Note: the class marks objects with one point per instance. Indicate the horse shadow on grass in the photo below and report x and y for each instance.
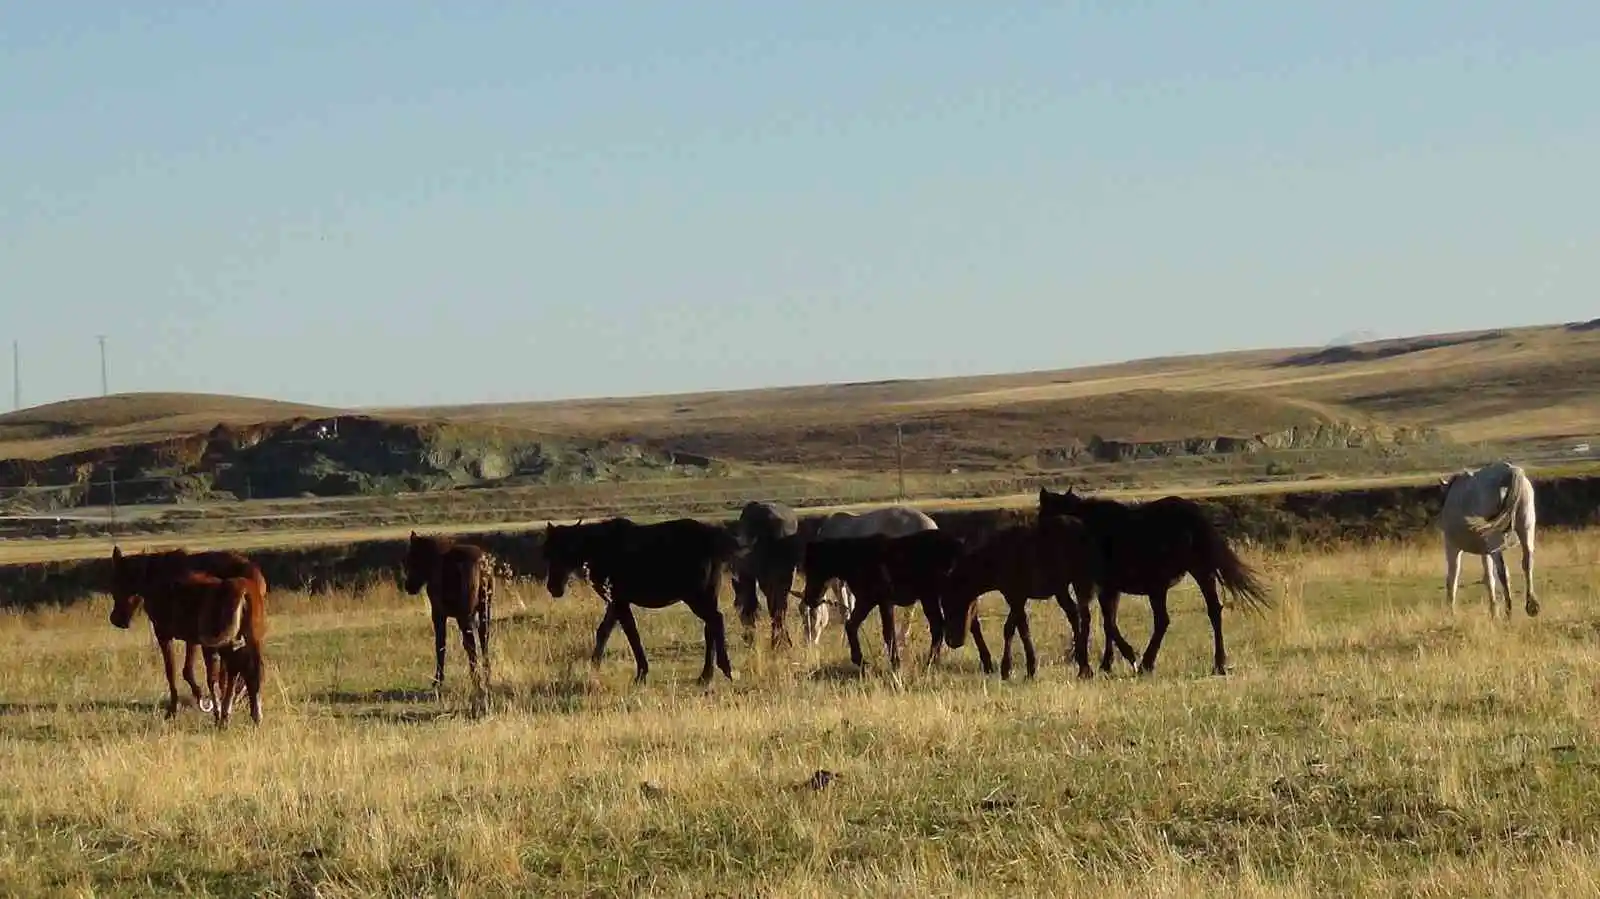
(402, 705)
(18, 709)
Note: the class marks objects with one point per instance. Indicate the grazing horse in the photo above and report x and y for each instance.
(459, 578)
(770, 549)
(649, 565)
(144, 581)
(884, 572)
(1024, 562)
(1481, 508)
(889, 521)
(1146, 549)
(228, 617)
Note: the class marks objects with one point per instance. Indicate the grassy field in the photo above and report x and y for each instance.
(1367, 743)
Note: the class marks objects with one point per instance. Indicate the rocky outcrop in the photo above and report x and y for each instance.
(348, 455)
(1330, 435)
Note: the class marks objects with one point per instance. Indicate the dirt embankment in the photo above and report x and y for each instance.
(1272, 521)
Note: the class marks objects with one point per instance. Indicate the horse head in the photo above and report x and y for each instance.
(126, 588)
(561, 556)
(422, 557)
(1065, 502)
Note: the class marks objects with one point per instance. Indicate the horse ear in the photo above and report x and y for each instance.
(116, 553)
(413, 535)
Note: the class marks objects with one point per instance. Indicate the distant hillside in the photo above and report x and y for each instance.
(1507, 386)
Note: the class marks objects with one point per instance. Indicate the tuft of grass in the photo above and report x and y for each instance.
(1366, 743)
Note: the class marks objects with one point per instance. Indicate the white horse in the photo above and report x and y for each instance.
(890, 521)
(1481, 508)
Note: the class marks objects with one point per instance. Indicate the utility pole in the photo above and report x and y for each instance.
(900, 460)
(104, 381)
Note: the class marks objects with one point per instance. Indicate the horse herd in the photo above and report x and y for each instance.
(1077, 550)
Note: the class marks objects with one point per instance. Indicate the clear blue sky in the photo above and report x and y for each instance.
(397, 203)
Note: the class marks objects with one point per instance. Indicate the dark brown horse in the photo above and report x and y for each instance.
(145, 581)
(459, 578)
(648, 565)
(1056, 558)
(884, 572)
(229, 618)
(1147, 549)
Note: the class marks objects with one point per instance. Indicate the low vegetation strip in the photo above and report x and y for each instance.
(1268, 519)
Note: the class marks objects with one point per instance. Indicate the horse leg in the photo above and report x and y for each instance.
(1010, 631)
(470, 647)
(1525, 537)
(1110, 600)
(483, 619)
(1026, 632)
(1078, 616)
(212, 685)
(985, 660)
(169, 663)
(1504, 579)
(890, 646)
(630, 629)
(717, 635)
(852, 634)
(1452, 572)
(439, 623)
(1208, 589)
(930, 611)
(252, 680)
(603, 632)
(1489, 584)
(1158, 610)
(230, 686)
(191, 651)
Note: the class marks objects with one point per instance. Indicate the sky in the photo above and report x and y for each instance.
(398, 203)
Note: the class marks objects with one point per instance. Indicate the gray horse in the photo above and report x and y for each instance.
(1481, 508)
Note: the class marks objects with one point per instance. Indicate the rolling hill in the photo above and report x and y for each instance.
(1507, 388)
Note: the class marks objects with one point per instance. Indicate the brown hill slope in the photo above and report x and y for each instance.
(1512, 385)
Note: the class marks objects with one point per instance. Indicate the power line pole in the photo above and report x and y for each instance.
(900, 460)
(105, 382)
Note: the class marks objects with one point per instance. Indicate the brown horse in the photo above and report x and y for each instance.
(1024, 562)
(145, 581)
(1148, 548)
(460, 582)
(228, 618)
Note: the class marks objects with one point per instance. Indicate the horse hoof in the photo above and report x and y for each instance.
(1532, 608)
(1085, 674)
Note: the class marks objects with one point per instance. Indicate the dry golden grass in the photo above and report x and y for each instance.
(1366, 744)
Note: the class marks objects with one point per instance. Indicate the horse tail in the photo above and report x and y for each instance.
(1519, 495)
(1237, 577)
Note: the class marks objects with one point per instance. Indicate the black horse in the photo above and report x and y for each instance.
(1057, 558)
(884, 572)
(1149, 547)
(770, 551)
(646, 565)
